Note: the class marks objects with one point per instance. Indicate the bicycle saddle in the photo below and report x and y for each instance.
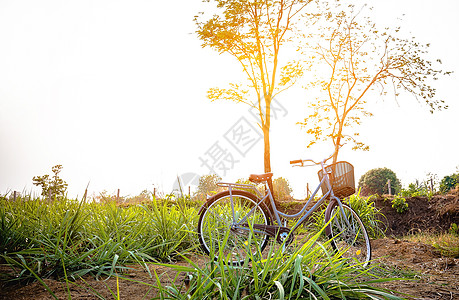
(260, 178)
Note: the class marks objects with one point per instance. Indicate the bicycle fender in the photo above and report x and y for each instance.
(330, 206)
(235, 192)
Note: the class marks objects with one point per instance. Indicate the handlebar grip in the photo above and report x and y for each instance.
(298, 161)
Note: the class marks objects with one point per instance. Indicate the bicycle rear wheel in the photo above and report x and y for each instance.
(222, 235)
(350, 238)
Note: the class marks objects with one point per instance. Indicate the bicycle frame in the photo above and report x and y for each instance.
(277, 214)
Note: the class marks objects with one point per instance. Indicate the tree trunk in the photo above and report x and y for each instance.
(266, 126)
(335, 154)
(267, 163)
(337, 143)
(267, 150)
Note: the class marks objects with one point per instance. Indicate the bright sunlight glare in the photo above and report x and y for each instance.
(115, 91)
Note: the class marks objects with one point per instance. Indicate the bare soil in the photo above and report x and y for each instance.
(423, 215)
(431, 275)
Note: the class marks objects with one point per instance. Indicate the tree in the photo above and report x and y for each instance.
(358, 58)
(255, 186)
(208, 184)
(375, 181)
(53, 187)
(282, 189)
(253, 32)
(449, 182)
(144, 196)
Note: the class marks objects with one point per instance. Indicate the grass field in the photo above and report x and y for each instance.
(69, 240)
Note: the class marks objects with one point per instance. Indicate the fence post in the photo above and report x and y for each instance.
(118, 196)
(388, 185)
(14, 196)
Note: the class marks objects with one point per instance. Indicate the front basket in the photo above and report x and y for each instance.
(341, 179)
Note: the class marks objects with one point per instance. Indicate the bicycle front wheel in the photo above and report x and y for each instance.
(347, 233)
(225, 227)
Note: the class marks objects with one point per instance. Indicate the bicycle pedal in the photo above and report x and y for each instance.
(286, 236)
(280, 233)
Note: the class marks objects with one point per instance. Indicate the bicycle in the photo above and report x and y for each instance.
(238, 220)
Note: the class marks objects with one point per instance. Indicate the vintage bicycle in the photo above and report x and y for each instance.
(241, 219)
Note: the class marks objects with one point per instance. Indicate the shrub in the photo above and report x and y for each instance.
(454, 229)
(449, 182)
(144, 196)
(53, 187)
(375, 182)
(399, 204)
(417, 190)
(260, 188)
(208, 185)
(282, 189)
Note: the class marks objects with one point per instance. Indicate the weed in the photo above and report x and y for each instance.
(446, 243)
(399, 204)
(454, 229)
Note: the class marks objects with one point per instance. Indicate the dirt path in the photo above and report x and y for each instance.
(433, 276)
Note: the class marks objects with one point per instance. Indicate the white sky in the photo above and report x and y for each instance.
(115, 91)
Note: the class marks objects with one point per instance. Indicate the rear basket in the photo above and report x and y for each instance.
(341, 179)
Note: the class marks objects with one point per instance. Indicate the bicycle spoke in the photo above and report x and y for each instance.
(349, 236)
(228, 236)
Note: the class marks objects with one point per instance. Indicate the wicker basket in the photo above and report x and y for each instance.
(341, 179)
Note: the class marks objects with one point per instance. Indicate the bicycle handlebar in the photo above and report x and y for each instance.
(302, 161)
(298, 161)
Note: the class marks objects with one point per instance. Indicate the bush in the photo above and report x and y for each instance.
(375, 181)
(417, 190)
(448, 183)
(208, 185)
(399, 204)
(454, 229)
(282, 189)
(53, 187)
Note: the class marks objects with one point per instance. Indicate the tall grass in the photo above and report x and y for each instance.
(70, 238)
(365, 208)
(308, 272)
